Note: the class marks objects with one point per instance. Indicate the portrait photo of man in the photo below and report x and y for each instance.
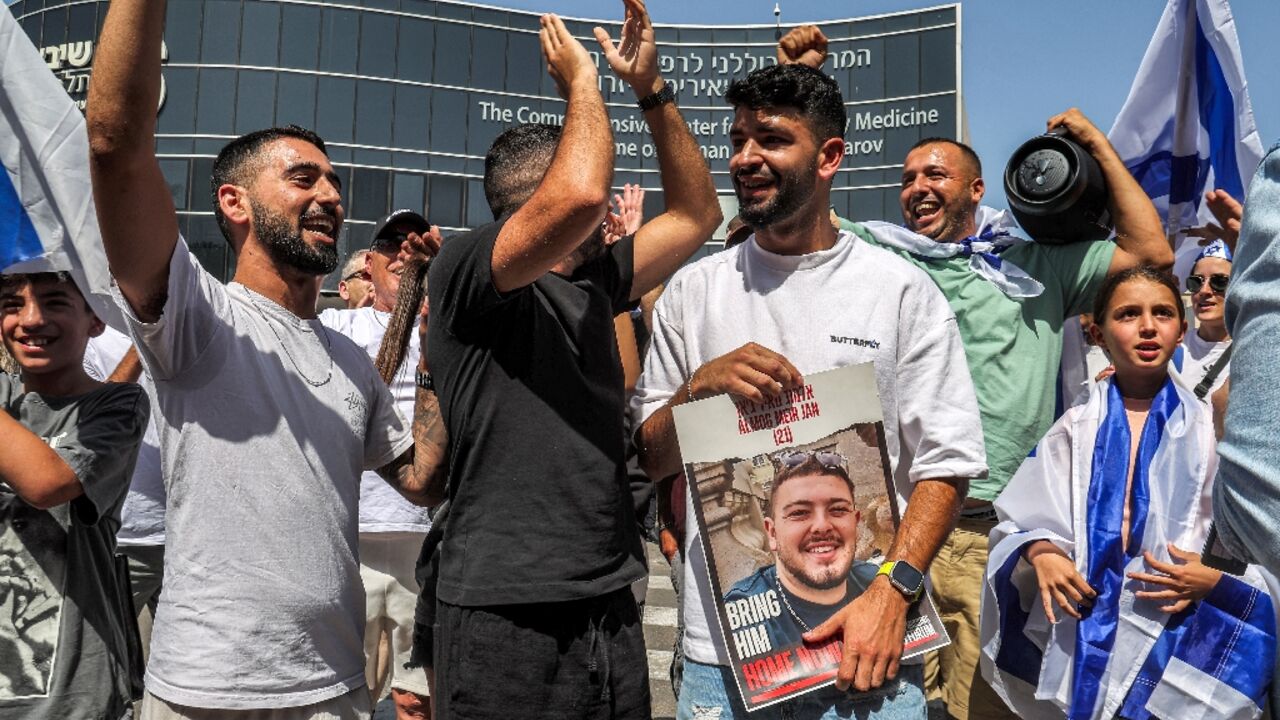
(812, 522)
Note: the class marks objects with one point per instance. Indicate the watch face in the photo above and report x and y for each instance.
(906, 577)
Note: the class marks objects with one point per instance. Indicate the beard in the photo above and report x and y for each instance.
(793, 191)
(282, 238)
(824, 578)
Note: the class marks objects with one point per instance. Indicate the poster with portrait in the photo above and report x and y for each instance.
(796, 508)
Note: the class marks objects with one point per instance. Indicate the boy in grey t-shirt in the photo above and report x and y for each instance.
(70, 446)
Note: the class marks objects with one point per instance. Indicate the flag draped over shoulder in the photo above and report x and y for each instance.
(1216, 659)
(47, 217)
(1187, 126)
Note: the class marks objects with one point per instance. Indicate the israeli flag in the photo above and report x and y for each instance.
(47, 217)
(1187, 125)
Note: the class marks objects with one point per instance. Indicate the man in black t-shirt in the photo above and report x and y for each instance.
(535, 615)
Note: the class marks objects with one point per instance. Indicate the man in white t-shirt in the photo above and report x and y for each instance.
(266, 417)
(801, 297)
(1203, 348)
(391, 528)
(354, 287)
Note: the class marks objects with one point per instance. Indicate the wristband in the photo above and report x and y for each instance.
(424, 381)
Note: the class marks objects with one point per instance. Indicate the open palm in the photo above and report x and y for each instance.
(635, 57)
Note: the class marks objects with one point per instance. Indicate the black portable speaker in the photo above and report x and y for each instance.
(1056, 190)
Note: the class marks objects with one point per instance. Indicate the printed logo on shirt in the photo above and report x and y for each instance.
(53, 441)
(357, 409)
(33, 566)
(855, 341)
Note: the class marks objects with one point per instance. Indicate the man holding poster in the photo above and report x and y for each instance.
(806, 298)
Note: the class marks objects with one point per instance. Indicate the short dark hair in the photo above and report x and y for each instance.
(11, 282)
(810, 467)
(1150, 273)
(235, 162)
(515, 164)
(815, 96)
(965, 150)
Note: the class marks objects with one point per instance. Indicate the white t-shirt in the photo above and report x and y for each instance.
(142, 515)
(266, 421)
(1194, 358)
(382, 509)
(851, 304)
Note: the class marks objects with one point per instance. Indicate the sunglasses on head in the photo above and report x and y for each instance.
(1217, 283)
(826, 458)
(358, 274)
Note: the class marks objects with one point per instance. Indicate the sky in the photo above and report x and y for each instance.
(1023, 60)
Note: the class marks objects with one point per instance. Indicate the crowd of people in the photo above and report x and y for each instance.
(317, 509)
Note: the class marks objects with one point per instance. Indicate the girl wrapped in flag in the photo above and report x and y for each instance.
(1096, 604)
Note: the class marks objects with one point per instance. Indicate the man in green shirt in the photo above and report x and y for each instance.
(1010, 321)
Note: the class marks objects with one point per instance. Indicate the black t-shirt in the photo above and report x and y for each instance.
(531, 390)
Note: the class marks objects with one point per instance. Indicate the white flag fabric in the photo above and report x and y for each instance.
(47, 218)
(1187, 126)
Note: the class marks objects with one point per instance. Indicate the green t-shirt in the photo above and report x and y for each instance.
(1014, 345)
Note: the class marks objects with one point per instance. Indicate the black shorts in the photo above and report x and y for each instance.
(562, 661)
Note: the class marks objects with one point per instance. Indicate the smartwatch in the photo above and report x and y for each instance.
(662, 97)
(905, 577)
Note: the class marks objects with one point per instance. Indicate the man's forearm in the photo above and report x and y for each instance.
(931, 516)
(134, 206)
(692, 210)
(430, 451)
(130, 368)
(126, 76)
(570, 201)
(687, 188)
(1139, 231)
(656, 441)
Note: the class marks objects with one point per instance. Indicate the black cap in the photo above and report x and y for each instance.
(410, 217)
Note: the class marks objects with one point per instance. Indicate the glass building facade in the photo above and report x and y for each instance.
(408, 95)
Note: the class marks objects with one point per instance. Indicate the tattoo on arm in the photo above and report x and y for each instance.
(424, 480)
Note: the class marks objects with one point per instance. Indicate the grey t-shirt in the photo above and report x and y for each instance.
(63, 652)
(266, 421)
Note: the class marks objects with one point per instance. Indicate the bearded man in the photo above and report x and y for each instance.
(266, 417)
(807, 298)
(812, 525)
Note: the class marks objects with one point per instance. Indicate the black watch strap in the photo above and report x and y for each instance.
(424, 381)
(662, 97)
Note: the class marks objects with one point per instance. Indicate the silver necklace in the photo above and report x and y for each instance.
(783, 593)
(327, 342)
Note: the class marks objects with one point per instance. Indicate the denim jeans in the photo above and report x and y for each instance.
(1247, 491)
(708, 692)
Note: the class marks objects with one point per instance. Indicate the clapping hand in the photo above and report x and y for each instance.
(627, 214)
(635, 57)
(567, 61)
